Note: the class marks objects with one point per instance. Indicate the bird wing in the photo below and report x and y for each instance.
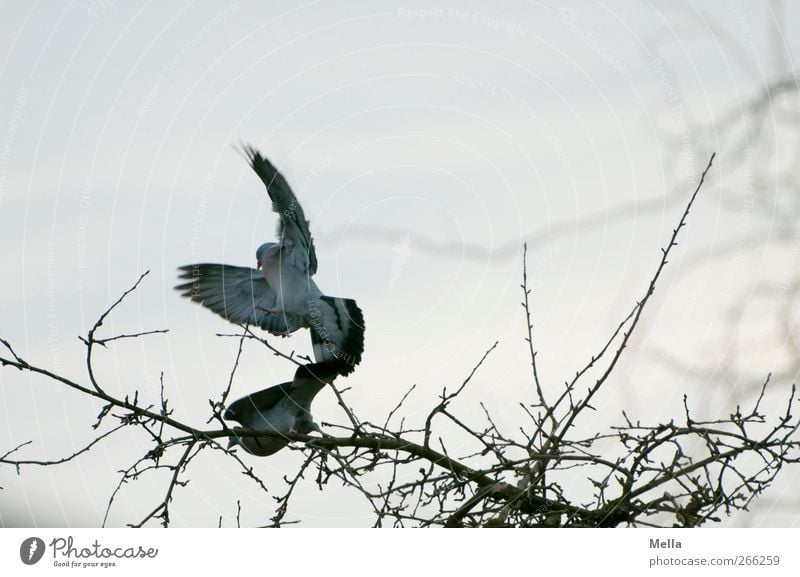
(293, 232)
(238, 294)
(337, 331)
(247, 409)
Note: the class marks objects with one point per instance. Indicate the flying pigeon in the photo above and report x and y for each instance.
(284, 408)
(281, 297)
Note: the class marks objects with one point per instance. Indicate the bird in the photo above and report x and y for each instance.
(284, 409)
(280, 295)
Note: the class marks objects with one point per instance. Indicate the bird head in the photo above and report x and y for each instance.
(265, 251)
(233, 440)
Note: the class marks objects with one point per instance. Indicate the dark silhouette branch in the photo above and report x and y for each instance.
(658, 474)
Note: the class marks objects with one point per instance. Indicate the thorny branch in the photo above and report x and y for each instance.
(755, 132)
(684, 472)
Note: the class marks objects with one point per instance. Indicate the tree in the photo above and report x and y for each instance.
(683, 472)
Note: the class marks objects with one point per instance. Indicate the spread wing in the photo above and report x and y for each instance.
(238, 294)
(293, 232)
(337, 332)
(247, 409)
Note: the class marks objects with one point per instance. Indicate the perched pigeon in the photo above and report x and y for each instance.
(281, 297)
(284, 408)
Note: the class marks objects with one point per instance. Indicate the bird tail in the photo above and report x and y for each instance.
(337, 333)
(310, 379)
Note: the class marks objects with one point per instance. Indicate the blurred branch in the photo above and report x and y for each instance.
(510, 249)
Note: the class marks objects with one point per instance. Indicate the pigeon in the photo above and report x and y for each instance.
(283, 409)
(280, 296)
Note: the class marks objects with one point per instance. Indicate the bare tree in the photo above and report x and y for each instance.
(684, 472)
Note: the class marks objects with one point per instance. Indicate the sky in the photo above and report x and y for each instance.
(426, 142)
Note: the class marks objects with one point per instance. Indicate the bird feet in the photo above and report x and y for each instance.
(282, 334)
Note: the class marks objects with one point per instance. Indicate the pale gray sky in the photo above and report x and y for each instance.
(466, 127)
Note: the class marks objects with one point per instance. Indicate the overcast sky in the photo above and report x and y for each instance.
(424, 143)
